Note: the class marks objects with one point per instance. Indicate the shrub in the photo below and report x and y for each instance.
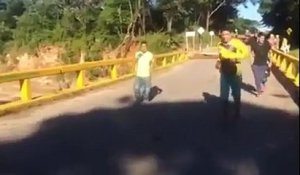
(162, 42)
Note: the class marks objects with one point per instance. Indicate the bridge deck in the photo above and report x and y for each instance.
(176, 133)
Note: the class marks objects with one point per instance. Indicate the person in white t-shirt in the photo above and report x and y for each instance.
(142, 83)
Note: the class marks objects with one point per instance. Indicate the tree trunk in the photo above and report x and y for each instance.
(198, 19)
(144, 18)
(169, 24)
(207, 21)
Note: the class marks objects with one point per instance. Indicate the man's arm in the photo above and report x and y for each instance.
(242, 51)
(151, 62)
(137, 56)
(218, 62)
(252, 56)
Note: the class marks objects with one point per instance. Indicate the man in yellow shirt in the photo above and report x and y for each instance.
(231, 53)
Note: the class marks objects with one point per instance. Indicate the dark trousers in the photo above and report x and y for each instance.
(259, 72)
(233, 83)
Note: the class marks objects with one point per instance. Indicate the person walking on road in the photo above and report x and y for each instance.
(142, 84)
(231, 53)
(261, 63)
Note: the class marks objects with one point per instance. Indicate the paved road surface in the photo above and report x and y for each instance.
(177, 133)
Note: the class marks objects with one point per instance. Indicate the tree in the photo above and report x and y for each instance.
(281, 15)
(82, 25)
(172, 10)
(244, 24)
(211, 8)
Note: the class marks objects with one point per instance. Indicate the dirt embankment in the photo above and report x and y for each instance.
(47, 57)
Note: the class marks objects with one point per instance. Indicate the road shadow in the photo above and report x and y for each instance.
(280, 96)
(249, 88)
(288, 85)
(164, 138)
(154, 91)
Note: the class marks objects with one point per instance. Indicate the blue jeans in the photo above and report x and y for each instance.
(232, 82)
(142, 86)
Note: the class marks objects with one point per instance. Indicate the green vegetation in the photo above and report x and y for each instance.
(91, 26)
(295, 53)
(282, 14)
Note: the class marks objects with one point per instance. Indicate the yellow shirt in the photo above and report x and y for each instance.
(238, 51)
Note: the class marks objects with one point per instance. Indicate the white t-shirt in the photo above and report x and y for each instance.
(143, 63)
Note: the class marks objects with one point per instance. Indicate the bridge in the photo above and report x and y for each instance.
(95, 128)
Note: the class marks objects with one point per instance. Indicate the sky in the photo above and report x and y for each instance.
(251, 13)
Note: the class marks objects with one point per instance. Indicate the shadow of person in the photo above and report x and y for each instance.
(156, 138)
(248, 88)
(126, 99)
(209, 98)
(154, 91)
(227, 121)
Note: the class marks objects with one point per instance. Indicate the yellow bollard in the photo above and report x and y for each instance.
(283, 65)
(273, 56)
(278, 61)
(114, 73)
(80, 79)
(289, 73)
(25, 90)
(179, 58)
(173, 59)
(164, 62)
(296, 80)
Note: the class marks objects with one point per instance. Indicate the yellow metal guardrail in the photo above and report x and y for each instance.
(287, 64)
(160, 62)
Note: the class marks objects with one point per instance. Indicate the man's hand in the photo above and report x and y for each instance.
(269, 63)
(218, 65)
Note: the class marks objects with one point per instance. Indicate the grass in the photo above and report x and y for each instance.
(295, 53)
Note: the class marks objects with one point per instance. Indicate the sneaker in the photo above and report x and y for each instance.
(138, 99)
(258, 94)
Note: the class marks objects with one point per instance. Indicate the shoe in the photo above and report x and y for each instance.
(263, 88)
(139, 100)
(258, 94)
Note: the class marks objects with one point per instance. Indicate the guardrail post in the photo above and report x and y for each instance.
(164, 63)
(173, 59)
(80, 79)
(273, 57)
(289, 72)
(185, 56)
(182, 57)
(177, 57)
(114, 73)
(296, 80)
(283, 65)
(278, 61)
(25, 89)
